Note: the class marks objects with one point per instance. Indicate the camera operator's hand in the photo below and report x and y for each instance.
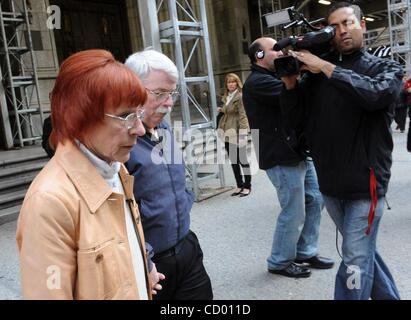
(313, 63)
(290, 81)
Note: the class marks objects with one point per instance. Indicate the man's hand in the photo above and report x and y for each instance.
(219, 109)
(313, 63)
(154, 278)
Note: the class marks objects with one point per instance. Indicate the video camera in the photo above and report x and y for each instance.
(317, 42)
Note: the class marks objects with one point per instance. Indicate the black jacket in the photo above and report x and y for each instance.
(347, 121)
(274, 144)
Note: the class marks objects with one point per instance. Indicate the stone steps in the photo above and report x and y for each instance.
(18, 168)
(9, 214)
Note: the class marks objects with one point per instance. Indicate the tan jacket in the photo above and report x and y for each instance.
(71, 233)
(234, 118)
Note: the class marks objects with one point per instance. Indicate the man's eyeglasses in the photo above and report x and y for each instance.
(164, 95)
(129, 120)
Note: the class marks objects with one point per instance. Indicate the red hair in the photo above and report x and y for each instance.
(89, 83)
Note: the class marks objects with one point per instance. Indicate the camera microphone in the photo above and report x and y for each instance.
(281, 44)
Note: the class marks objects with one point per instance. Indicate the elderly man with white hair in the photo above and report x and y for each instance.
(156, 162)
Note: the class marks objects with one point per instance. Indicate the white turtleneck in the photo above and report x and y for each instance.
(111, 176)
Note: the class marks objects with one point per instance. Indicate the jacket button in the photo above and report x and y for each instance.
(288, 138)
(99, 258)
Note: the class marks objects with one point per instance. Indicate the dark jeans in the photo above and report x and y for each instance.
(186, 277)
(238, 156)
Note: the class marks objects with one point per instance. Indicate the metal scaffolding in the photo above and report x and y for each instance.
(20, 105)
(399, 18)
(179, 28)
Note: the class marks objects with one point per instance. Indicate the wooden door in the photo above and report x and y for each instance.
(95, 24)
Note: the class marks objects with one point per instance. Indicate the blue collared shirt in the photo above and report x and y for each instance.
(160, 188)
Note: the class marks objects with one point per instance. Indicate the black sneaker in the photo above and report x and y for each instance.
(293, 271)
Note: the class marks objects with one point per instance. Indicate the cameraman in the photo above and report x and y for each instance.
(346, 102)
(296, 234)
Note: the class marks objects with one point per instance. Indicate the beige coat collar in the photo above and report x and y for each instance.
(85, 177)
(234, 99)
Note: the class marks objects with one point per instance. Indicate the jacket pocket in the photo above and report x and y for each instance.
(98, 272)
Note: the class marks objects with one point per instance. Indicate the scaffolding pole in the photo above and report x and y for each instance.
(22, 115)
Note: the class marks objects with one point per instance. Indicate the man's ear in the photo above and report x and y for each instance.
(363, 25)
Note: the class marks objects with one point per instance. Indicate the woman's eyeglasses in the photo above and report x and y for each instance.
(129, 120)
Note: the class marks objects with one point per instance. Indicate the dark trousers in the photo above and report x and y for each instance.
(401, 118)
(186, 277)
(238, 157)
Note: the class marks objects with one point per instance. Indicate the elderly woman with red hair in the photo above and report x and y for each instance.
(79, 232)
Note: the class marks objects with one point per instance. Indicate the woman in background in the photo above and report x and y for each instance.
(234, 126)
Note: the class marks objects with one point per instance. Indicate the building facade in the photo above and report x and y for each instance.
(62, 27)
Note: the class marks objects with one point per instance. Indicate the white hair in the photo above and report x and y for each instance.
(143, 62)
